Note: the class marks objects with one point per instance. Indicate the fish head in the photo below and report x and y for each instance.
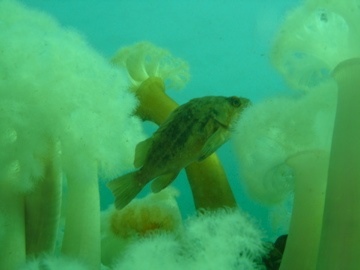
(229, 110)
(238, 104)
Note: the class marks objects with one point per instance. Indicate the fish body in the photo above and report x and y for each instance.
(191, 133)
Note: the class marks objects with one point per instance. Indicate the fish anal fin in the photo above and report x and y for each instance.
(141, 152)
(125, 188)
(217, 139)
(163, 181)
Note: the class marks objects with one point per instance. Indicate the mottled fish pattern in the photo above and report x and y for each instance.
(191, 133)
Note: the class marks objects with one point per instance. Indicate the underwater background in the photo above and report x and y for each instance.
(226, 45)
(68, 120)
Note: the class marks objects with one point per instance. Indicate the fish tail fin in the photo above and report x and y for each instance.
(125, 188)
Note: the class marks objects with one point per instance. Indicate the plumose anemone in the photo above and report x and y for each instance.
(62, 108)
(150, 69)
(67, 120)
(312, 140)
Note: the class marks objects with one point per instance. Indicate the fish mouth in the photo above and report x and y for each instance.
(233, 122)
(247, 102)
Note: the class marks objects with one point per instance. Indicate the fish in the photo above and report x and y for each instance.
(191, 133)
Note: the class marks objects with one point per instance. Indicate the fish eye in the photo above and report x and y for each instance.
(235, 101)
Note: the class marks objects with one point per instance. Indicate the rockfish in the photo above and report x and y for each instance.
(192, 132)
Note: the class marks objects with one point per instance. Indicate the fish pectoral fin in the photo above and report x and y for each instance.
(141, 152)
(219, 137)
(163, 181)
(221, 119)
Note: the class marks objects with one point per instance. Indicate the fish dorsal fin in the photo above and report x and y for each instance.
(141, 152)
(219, 137)
(163, 181)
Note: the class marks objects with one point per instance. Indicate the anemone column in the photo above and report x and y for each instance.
(208, 181)
(340, 238)
(12, 246)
